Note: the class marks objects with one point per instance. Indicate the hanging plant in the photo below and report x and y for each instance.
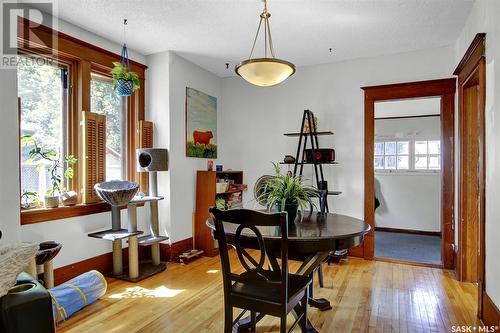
(125, 81)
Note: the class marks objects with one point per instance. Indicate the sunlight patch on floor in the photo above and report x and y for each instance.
(213, 271)
(140, 292)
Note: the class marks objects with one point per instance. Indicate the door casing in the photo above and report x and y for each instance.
(445, 89)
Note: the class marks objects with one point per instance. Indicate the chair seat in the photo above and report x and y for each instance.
(296, 284)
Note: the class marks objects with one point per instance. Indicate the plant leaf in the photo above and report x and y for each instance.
(50, 153)
(68, 173)
(70, 159)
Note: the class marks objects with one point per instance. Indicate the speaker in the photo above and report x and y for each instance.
(152, 159)
(322, 155)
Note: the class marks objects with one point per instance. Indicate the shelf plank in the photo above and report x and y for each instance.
(295, 134)
(229, 192)
(318, 163)
(138, 199)
(113, 235)
(334, 192)
(229, 171)
(150, 239)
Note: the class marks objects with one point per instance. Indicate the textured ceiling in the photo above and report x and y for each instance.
(213, 32)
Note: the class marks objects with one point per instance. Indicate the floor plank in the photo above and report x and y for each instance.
(367, 296)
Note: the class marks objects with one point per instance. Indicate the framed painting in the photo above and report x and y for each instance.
(201, 124)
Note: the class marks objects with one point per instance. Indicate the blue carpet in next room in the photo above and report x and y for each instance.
(408, 247)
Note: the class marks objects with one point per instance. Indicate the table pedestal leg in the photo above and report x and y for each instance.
(307, 268)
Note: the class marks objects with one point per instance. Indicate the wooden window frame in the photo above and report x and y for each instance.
(83, 59)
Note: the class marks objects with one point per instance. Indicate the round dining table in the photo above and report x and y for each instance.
(311, 239)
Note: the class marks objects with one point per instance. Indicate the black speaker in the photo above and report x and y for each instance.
(321, 155)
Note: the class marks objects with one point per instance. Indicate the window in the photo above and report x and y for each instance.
(63, 103)
(105, 101)
(428, 155)
(392, 155)
(42, 90)
(411, 155)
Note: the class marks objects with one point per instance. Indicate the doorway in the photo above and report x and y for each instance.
(407, 183)
(443, 89)
(471, 74)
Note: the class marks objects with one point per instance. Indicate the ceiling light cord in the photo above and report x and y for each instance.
(271, 46)
(268, 41)
(255, 39)
(124, 32)
(265, 38)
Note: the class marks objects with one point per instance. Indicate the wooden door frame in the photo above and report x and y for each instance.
(444, 88)
(472, 67)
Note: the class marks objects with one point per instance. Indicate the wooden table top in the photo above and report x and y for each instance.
(312, 226)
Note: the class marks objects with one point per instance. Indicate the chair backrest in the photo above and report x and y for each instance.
(246, 220)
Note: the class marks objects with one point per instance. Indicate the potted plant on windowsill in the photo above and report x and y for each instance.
(29, 200)
(284, 192)
(42, 157)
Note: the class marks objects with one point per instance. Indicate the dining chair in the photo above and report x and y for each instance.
(270, 291)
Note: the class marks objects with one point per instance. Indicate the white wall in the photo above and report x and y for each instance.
(158, 111)
(254, 119)
(408, 200)
(406, 108)
(484, 18)
(167, 110)
(72, 233)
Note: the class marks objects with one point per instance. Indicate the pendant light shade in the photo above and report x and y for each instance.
(267, 71)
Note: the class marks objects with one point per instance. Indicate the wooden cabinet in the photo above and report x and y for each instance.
(206, 196)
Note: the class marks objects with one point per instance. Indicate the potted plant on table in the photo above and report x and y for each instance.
(284, 192)
(41, 157)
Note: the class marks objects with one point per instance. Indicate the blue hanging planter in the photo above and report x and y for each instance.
(124, 87)
(125, 80)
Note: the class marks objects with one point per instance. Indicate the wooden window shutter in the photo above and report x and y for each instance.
(94, 153)
(145, 141)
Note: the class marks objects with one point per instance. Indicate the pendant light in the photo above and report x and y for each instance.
(265, 72)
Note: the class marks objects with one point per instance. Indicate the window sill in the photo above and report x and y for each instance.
(38, 215)
(409, 173)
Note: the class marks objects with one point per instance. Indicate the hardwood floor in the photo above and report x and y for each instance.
(367, 296)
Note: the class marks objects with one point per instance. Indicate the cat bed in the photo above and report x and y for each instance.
(47, 251)
(14, 258)
(75, 294)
